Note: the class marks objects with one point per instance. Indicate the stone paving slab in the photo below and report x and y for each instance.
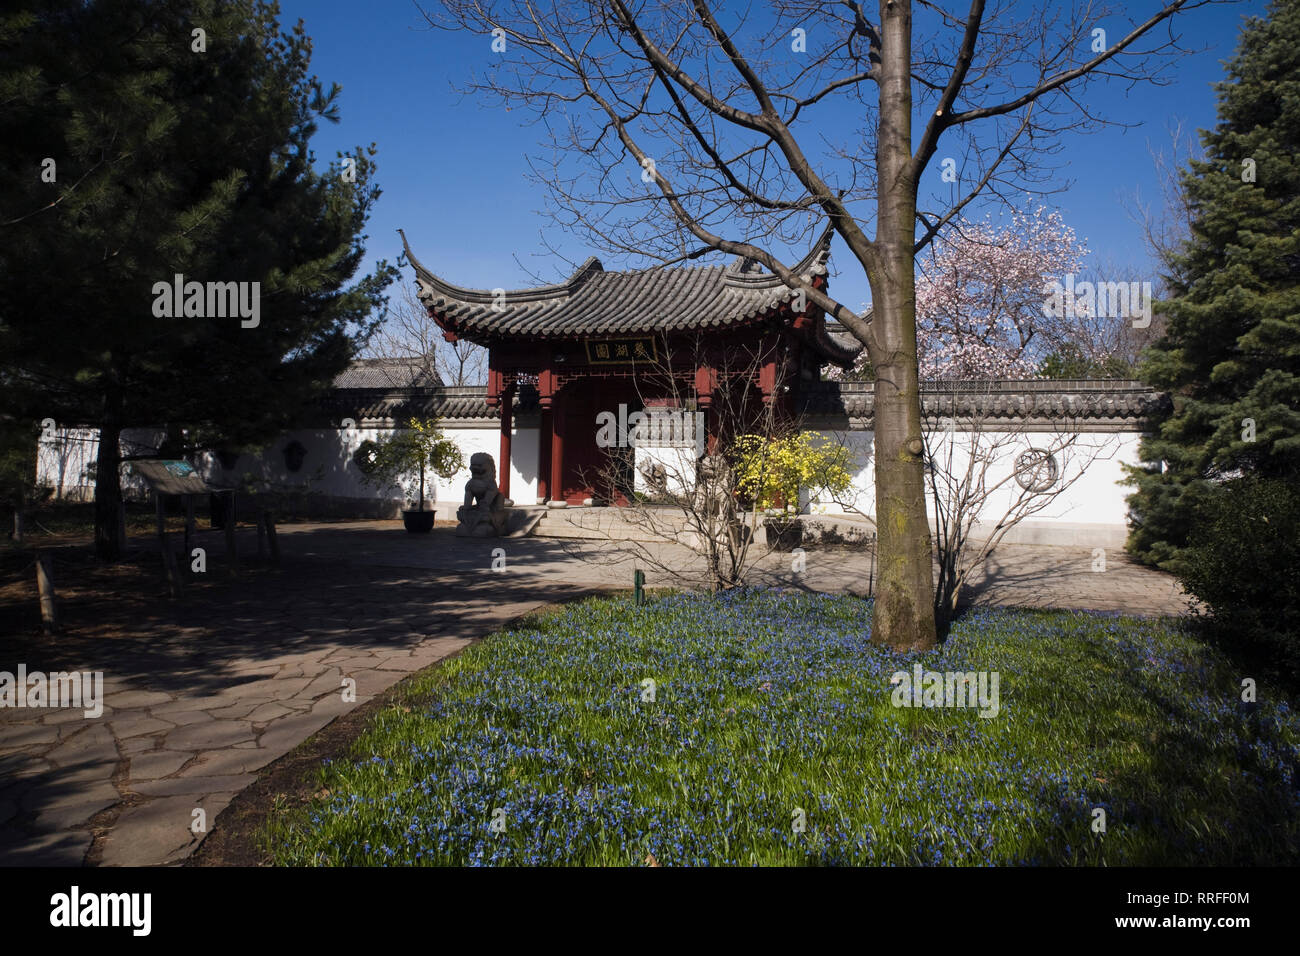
(203, 692)
(161, 831)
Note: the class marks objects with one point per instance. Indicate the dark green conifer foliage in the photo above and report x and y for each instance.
(1230, 358)
(170, 159)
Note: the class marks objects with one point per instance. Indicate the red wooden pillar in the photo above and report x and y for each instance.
(546, 449)
(507, 423)
(557, 449)
(767, 381)
(706, 380)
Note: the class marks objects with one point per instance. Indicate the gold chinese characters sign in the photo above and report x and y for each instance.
(616, 351)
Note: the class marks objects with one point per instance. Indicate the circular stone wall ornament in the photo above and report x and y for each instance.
(1036, 469)
(295, 453)
(366, 457)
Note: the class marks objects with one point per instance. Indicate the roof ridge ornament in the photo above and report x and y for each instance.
(813, 264)
(743, 264)
(585, 271)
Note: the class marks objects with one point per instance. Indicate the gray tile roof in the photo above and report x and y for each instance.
(1096, 401)
(387, 373)
(595, 302)
(1119, 404)
(464, 404)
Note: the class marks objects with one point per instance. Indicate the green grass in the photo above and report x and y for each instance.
(771, 708)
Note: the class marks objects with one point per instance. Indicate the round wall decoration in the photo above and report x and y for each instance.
(366, 457)
(294, 455)
(1036, 469)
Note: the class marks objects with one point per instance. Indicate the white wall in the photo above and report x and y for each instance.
(1091, 510)
(65, 460)
(679, 463)
(68, 456)
(471, 440)
(328, 468)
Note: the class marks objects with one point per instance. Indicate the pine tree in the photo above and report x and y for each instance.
(1230, 358)
(145, 139)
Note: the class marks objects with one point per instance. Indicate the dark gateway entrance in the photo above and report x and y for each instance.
(590, 471)
(669, 338)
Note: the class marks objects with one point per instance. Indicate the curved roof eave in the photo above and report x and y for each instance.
(447, 290)
(647, 301)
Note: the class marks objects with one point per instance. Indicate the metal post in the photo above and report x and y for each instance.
(871, 579)
(189, 525)
(45, 588)
(232, 555)
(268, 519)
(170, 570)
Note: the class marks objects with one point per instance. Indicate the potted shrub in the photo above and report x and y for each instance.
(395, 460)
(771, 471)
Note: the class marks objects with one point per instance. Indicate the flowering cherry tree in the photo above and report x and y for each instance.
(980, 296)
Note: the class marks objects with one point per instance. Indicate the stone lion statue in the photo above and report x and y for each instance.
(484, 514)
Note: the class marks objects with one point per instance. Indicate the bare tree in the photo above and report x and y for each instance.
(987, 474)
(720, 120)
(409, 335)
(1166, 222)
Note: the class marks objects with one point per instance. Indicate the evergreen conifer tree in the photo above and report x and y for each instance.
(1230, 357)
(149, 139)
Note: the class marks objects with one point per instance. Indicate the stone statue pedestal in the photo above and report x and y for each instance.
(474, 524)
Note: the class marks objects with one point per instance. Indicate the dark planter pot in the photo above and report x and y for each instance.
(418, 522)
(784, 534)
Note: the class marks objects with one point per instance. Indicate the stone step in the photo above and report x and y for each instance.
(613, 524)
(607, 524)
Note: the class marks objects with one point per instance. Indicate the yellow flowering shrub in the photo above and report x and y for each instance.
(770, 471)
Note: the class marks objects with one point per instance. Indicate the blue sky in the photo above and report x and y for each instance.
(454, 168)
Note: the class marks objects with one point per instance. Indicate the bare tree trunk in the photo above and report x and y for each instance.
(904, 608)
(108, 491)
